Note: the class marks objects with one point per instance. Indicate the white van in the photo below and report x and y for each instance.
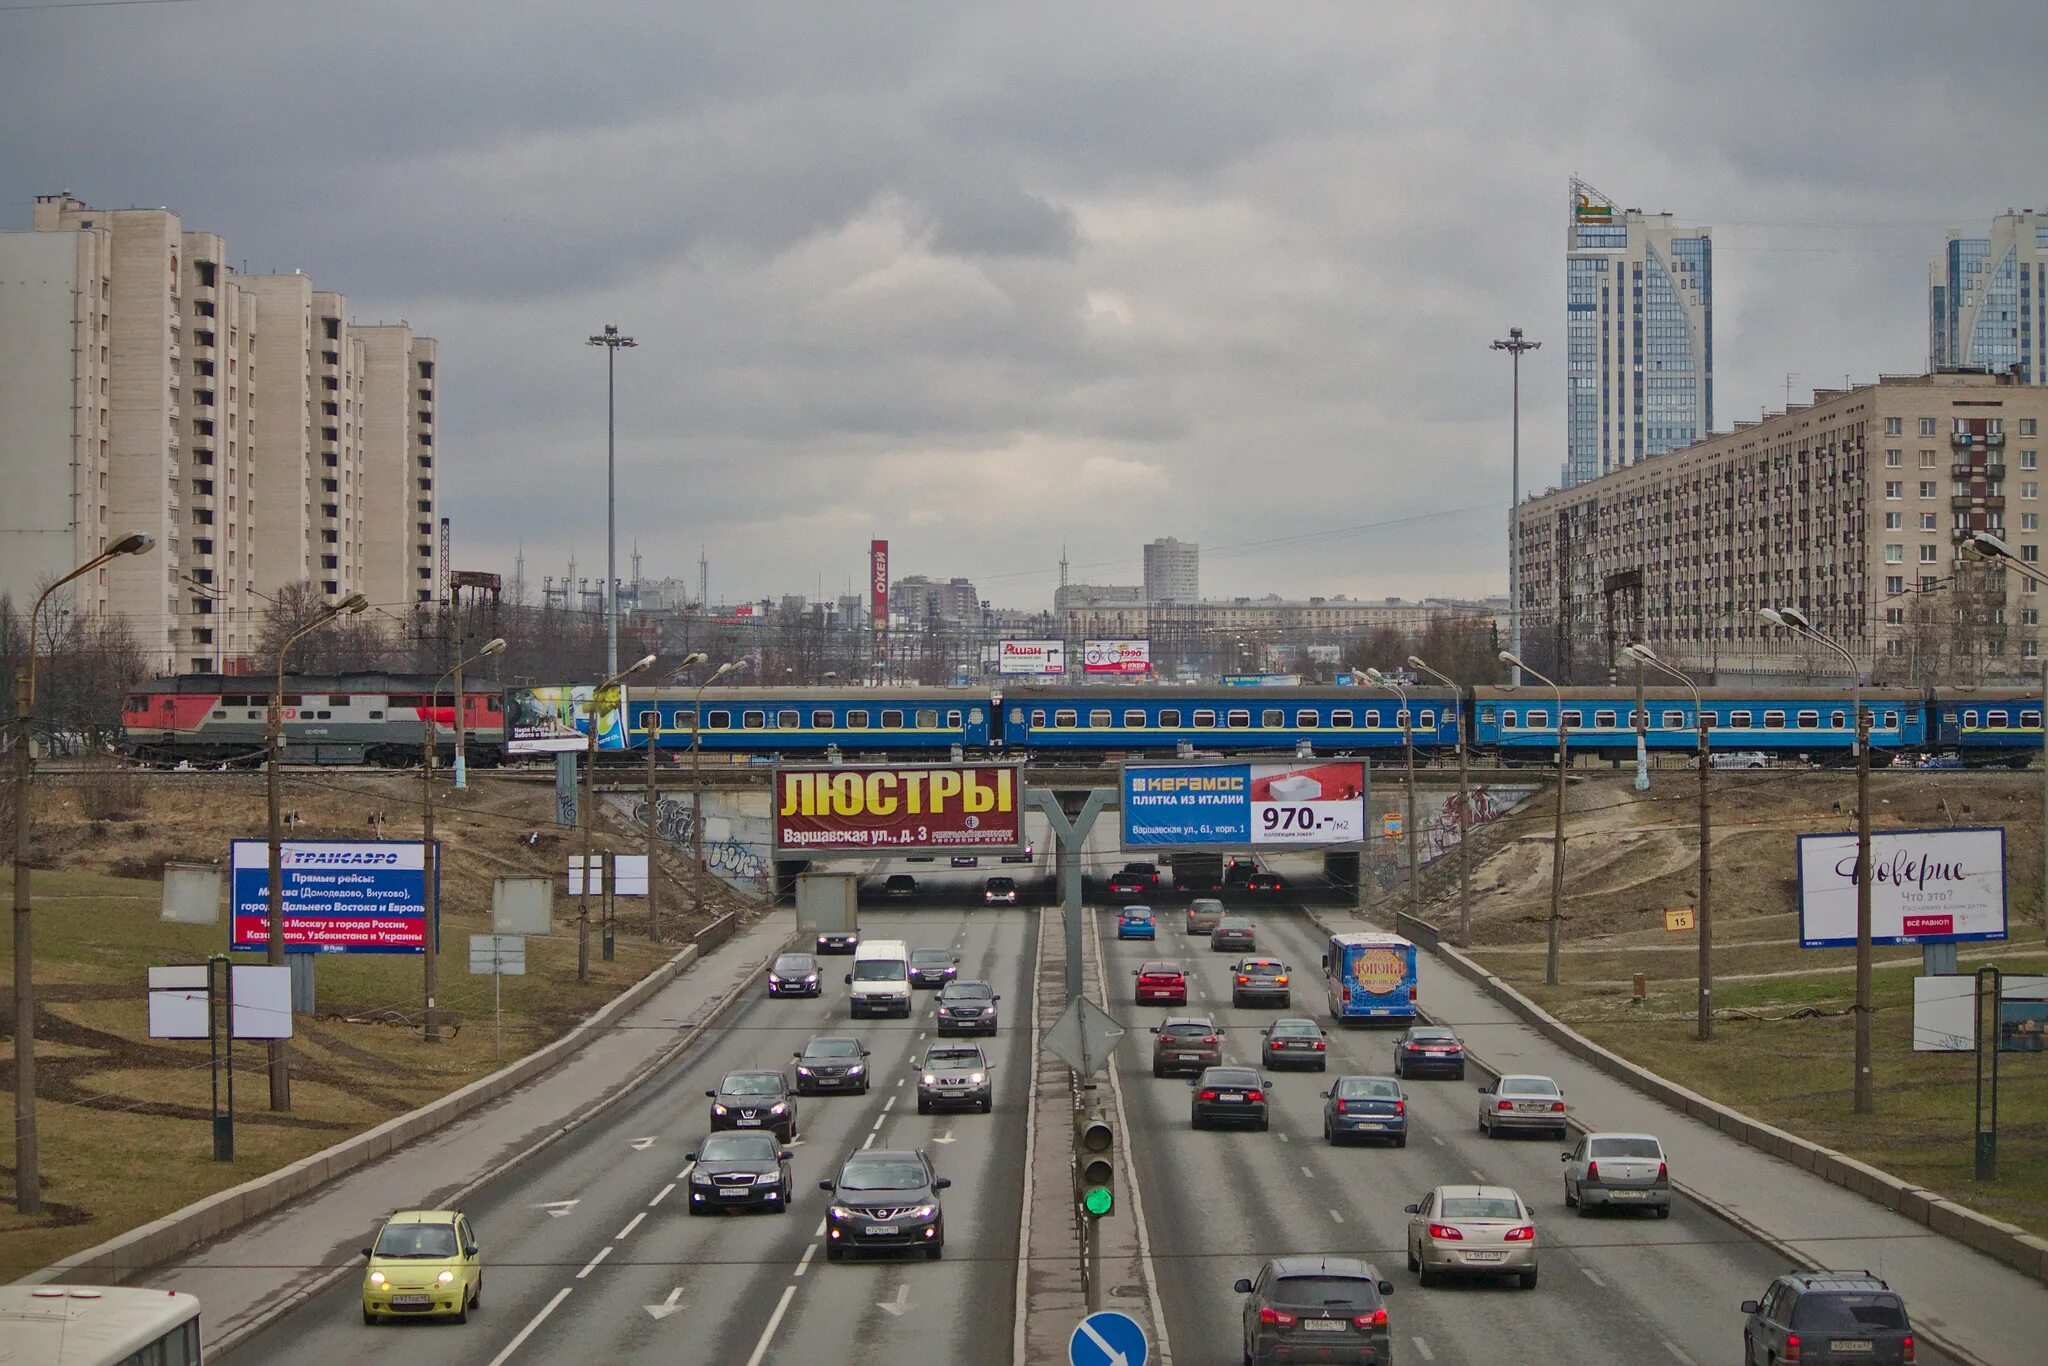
(881, 978)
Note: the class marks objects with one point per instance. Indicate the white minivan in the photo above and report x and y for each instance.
(881, 978)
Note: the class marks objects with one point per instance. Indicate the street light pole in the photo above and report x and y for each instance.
(1464, 810)
(1557, 830)
(279, 1062)
(1797, 622)
(697, 783)
(1704, 1006)
(587, 815)
(28, 1180)
(611, 340)
(1380, 680)
(431, 854)
(1515, 345)
(653, 729)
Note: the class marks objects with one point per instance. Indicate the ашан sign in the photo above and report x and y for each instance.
(899, 807)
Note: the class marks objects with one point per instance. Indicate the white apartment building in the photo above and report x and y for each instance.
(1173, 571)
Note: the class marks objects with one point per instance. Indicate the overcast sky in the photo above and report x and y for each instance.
(983, 278)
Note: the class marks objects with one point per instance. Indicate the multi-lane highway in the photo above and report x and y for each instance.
(590, 1254)
(1621, 1288)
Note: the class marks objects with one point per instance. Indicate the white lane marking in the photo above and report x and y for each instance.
(774, 1322)
(1423, 1349)
(591, 1265)
(1282, 1137)
(880, 1120)
(1434, 1139)
(666, 1307)
(1478, 1175)
(899, 1081)
(1307, 1173)
(557, 1208)
(1589, 1274)
(889, 1105)
(501, 1358)
(819, 1232)
(896, 1307)
(631, 1224)
(1335, 1217)
(641, 1145)
(663, 1196)
(868, 1142)
(1672, 1348)
(684, 1174)
(804, 1262)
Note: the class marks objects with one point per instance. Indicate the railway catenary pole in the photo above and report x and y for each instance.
(653, 728)
(1515, 346)
(1983, 545)
(430, 854)
(585, 814)
(1797, 622)
(1464, 807)
(28, 1185)
(731, 666)
(1380, 680)
(1557, 831)
(1703, 720)
(279, 1062)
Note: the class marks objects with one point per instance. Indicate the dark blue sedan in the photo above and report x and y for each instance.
(1365, 1108)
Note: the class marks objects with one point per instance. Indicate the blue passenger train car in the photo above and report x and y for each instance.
(806, 721)
(1805, 723)
(1988, 725)
(1237, 720)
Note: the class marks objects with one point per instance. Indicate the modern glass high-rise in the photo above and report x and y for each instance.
(1984, 299)
(1639, 335)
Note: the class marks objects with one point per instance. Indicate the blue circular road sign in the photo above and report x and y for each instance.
(1108, 1339)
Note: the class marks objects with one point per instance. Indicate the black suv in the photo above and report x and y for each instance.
(754, 1100)
(1320, 1308)
(967, 1006)
(1833, 1316)
(886, 1199)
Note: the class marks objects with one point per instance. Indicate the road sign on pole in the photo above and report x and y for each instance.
(1082, 1037)
(1108, 1338)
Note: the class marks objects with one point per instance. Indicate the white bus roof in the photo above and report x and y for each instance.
(1378, 939)
(85, 1325)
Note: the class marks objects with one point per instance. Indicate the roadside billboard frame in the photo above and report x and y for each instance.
(1054, 654)
(1888, 909)
(1122, 655)
(1250, 843)
(1014, 768)
(249, 884)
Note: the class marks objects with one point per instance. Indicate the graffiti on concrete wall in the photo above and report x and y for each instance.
(735, 844)
(1441, 815)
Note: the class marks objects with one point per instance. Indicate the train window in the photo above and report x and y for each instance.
(326, 715)
(1574, 720)
(2030, 720)
(1674, 720)
(1508, 721)
(928, 718)
(1038, 719)
(1891, 720)
(1837, 720)
(1995, 720)
(1169, 719)
(291, 699)
(683, 720)
(1134, 720)
(1306, 720)
(1401, 716)
(1428, 721)
(754, 720)
(789, 720)
(1738, 720)
(220, 715)
(376, 715)
(1238, 718)
(407, 700)
(1065, 719)
(1486, 715)
(1272, 718)
(1774, 720)
(492, 705)
(1604, 720)
(1343, 720)
(1809, 720)
(892, 719)
(1205, 719)
(855, 720)
(256, 715)
(1098, 719)
(822, 720)
(234, 701)
(650, 718)
(718, 720)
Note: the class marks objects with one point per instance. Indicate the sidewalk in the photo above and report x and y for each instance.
(268, 1264)
(1974, 1303)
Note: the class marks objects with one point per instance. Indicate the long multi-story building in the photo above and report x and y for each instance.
(916, 599)
(132, 357)
(1985, 299)
(1639, 335)
(1854, 509)
(1266, 617)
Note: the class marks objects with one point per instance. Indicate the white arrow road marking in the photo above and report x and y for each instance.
(899, 1305)
(1116, 1358)
(667, 1306)
(557, 1208)
(946, 1137)
(641, 1145)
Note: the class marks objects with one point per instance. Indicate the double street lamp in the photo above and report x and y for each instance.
(587, 812)
(613, 341)
(1380, 680)
(1799, 624)
(28, 1183)
(653, 729)
(1464, 807)
(1643, 654)
(273, 755)
(431, 755)
(1509, 658)
(1982, 547)
(731, 666)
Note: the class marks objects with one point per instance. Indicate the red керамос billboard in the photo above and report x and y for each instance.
(858, 809)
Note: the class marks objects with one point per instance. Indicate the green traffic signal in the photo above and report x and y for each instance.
(1097, 1201)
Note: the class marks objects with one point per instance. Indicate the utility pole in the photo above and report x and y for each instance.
(587, 815)
(1704, 912)
(1557, 830)
(654, 804)
(1515, 345)
(1464, 808)
(431, 860)
(611, 340)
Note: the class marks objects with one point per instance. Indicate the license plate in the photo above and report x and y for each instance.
(1322, 1325)
(1530, 1107)
(828, 1081)
(1849, 1345)
(411, 1301)
(730, 1191)
(1230, 1100)
(881, 1230)
(1624, 1195)
(1368, 1124)
(750, 1124)
(1484, 1256)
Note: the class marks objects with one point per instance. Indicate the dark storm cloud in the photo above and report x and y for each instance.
(986, 278)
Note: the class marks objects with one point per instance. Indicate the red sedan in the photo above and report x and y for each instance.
(1162, 983)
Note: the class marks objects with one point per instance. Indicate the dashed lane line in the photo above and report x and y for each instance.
(665, 1191)
(631, 1224)
(1593, 1276)
(774, 1322)
(1422, 1349)
(804, 1263)
(591, 1265)
(514, 1345)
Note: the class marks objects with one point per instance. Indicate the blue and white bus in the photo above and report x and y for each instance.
(1370, 979)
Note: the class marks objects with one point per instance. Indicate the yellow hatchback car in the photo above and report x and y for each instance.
(423, 1264)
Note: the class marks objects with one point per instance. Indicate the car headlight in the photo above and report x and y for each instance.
(811, 980)
(777, 1108)
(700, 1177)
(924, 1211)
(717, 1109)
(446, 1278)
(978, 1078)
(841, 1212)
(376, 1278)
(854, 1070)
(802, 1070)
(930, 1080)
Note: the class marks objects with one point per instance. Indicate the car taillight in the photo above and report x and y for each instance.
(1276, 1317)
(1376, 1319)
(1908, 1346)
(1256, 1095)
(1280, 981)
(1592, 1171)
(1504, 1105)
(1210, 1038)
(1320, 1045)
(1663, 1172)
(1343, 1107)
(1242, 980)
(1557, 1107)
(1400, 1107)
(1791, 1347)
(1411, 993)
(1446, 1233)
(1526, 1233)
(1205, 1095)
(1412, 1047)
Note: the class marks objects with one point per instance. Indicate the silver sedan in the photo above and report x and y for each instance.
(1472, 1230)
(1617, 1170)
(1525, 1103)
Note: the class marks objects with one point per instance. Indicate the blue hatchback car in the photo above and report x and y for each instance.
(1135, 922)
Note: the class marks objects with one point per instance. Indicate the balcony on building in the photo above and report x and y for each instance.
(1994, 469)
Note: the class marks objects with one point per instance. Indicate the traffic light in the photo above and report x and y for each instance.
(1095, 1167)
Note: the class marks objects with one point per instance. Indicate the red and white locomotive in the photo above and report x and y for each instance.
(353, 718)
